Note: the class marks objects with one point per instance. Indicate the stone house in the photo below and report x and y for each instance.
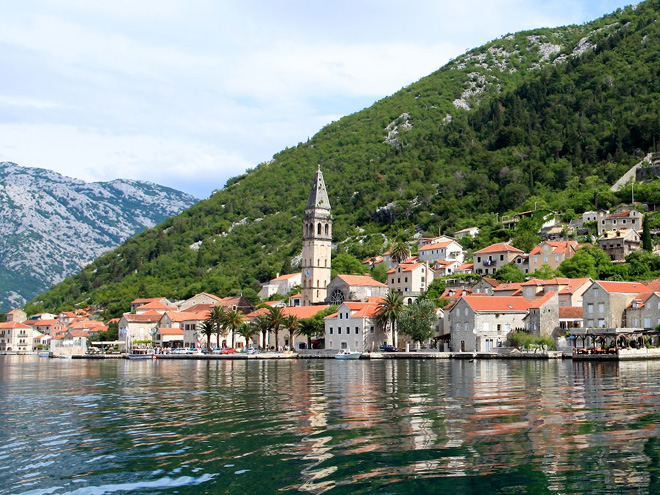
(16, 315)
(604, 303)
(644, 311)
(508, 289)
(464, 268)
(186, 321)
(171, 338)
(551, 253)
(570, 317)
(16, 336)
(136, 303)
(482, 323)
(441, 251)
(488, 260)
(618, 244)
(543, 316)
(569, 290)
(521, 262)
(137, 327)
(485, 286)
(48, 327)
(356, 288)
(197, 299)
(621, 219)
(410, 280)
(471, 231)
(444, 268)
(354, 327)
(282, 285)
(155, 306)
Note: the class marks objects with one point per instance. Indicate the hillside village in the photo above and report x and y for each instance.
(476, 313)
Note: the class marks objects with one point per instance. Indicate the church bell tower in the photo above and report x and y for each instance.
(317, 244)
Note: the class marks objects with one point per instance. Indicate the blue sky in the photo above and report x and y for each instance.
(187, 93)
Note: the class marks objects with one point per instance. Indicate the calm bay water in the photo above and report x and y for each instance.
(403, 426)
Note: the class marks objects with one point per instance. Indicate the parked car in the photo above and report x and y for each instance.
(217, 351)
(389, 348)
(180, 350)
(228, 350)
(252, 350)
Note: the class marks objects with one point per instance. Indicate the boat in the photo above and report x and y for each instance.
(142, 354)
(43, 353)
(348, 354)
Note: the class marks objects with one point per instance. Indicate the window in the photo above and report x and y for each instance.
(595, 292)
(338, 330)
(326, 229)
(501, 257)
(590, 308)
(330, 330)
(357, 330)
(601, 323)
(647, 322)
(371, 330)
(601, 307)
(318, 230)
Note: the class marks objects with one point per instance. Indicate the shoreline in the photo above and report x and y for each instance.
(376, 356)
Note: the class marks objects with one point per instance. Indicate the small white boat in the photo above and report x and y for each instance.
(142, 354)
(43, 354)
(348, 354)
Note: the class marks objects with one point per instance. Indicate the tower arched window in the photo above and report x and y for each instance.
(326, 229)
(319, 229)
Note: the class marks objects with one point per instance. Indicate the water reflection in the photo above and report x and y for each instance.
(328, 426)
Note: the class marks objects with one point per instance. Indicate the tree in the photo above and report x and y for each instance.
(261, 324)
(217, 316)
(400, 251)
(246, 331)
(586, 262)
(647, 244)
(232, 321)
(309, 329)
(346, 264)
(379, 273)
(388, 314)
(545, 272)
(111, 334)
(207, 328)
(275, 321)
(291, 323)
(417, 321)
(509, 273)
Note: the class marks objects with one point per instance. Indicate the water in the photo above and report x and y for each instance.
(394, 427)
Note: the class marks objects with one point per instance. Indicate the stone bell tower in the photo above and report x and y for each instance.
(317, 244)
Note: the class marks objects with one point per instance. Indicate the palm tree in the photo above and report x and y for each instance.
(388, 313)
(233, 320)
(217, 316)
(261, 324)
(400, 252)
(246, 331)
(309, 329)
(291, 322)
(207, 328)
(276, 321)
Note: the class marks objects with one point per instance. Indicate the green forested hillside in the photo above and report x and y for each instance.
(548, 117)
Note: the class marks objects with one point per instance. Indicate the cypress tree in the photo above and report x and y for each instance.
(647, 244)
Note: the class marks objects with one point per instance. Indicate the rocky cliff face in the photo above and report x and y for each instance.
(51, 225)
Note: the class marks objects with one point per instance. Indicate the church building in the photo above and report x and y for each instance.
(317, 244)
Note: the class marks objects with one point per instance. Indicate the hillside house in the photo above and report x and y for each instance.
(197, 299)
(470, 231)
(48, 327)
(569, 290)
(543, 316)
(134, 328)
(444, 268)
(409, 280)
(16, 315)
(136, 303)
(186, 321)
(441, 251)
(155, 306)
(622, 218)
(485, 286)
(521, 262)
(551, 253)
(618, 244)
(488, 260)
(282, 285)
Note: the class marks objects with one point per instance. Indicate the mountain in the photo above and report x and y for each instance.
(547, 118)
(51, 226)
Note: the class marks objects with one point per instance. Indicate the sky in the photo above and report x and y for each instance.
(188, 93)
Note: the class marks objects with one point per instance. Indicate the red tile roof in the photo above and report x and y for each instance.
(511, 286)
(13, 324)
(360, 280)
(558, 247)
(498, 248)
(497, 303)
(171, 331)
(574, 284)
(179, 317)
(540, 301)
(623, 287)
(437, 245)
(570, 312)
(150, 317)
(146, 300)
(286, 277)
(156, 305)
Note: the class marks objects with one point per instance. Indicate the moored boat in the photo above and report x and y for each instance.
(348, 354)
(142, 354)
